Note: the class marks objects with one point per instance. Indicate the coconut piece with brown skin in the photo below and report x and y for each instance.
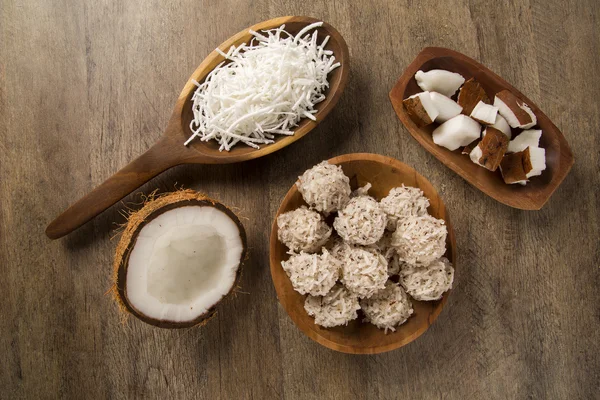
(178, 257)
(516, 112)
(421, 109)
(469, 148)
(470, 94)
(513, 165)
(489, 152)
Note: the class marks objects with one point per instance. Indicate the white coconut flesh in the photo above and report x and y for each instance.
(183, 263)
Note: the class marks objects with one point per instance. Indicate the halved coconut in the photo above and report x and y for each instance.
(179, 256)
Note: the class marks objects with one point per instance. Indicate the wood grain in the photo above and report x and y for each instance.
(559, 158)
(86, 87)
(383, 173)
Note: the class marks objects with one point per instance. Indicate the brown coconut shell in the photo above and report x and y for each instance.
(155, 206)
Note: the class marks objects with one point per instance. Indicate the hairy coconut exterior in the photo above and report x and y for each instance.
(155, 206)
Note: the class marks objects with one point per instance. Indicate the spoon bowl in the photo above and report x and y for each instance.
(169, 151)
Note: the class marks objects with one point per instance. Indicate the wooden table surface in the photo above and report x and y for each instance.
(87, 86)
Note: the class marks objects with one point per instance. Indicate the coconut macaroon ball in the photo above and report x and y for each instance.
(302, 230)
(420, 240)
(402, 202)
(384, 245)
(324, 187)
(387, 308)
(427, 283)
(362, 221)
(338, 307)
(364, 270)
(314, 274)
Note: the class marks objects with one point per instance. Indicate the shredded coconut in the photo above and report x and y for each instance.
(338, 307)
(384, 245)
(429, 282)
(361, 191)
(387, 308)
(266, 87)
(324, 187)
(420, 240)
(364, 270)
(362, 221)
(303, 230)
(402, 202)
(312, 273)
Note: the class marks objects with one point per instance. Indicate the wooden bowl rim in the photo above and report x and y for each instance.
(525, 199)
(275, 264)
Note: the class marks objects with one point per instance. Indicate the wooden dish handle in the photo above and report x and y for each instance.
(157, 159)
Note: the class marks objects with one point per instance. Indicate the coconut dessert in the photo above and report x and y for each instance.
(427, 282)
(374, 244)
(420, 240)
(388, 308)
(178, 257)
(314, 274)
(337, 307)
(402, 202)
(361, 221)
(303, 230)
(324, 187)
(364, 270)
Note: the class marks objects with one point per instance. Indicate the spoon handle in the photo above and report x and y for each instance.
(157, 159)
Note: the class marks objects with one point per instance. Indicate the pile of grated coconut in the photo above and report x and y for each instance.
(351, 267)
(263, 88)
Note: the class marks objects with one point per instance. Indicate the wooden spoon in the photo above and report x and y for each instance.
(169, 151)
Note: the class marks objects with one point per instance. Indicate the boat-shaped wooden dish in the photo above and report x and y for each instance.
(383, 173)
(538, 190)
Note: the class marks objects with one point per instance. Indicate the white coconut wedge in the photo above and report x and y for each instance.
(528, 138)
(456, 132)
(445, 106)
(439, 80)
(502, 126)
(421, 109)
(179, 256)
(516, 113)
(537, 161)
(484, 113)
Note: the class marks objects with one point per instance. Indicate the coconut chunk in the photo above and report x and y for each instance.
(469, 148)
(502, 125)
(470, 94)
(420, 108)
(456, 132)
(489, 152)
(528, 138)
(517, 113)
(516, 166)
(536, 161)
(446, 107)
(439, 80)
(484, 113)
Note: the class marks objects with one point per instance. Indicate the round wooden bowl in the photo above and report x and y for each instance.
(383, 173)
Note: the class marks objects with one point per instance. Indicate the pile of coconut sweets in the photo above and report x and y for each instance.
(461, 122)
(382, 253)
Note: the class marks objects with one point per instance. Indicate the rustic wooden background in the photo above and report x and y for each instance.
(87, 86)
